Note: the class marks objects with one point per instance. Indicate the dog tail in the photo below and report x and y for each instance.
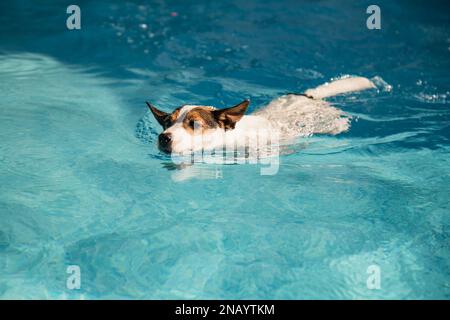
(339, 86)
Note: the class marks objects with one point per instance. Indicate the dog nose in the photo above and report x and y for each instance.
(164, 139)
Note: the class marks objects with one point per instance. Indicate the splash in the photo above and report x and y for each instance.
(381, 84)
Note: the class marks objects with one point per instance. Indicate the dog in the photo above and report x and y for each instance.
(192, 128)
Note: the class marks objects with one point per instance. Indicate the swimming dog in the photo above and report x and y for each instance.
(191, 128)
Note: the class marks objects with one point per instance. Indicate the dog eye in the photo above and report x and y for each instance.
(192, 124)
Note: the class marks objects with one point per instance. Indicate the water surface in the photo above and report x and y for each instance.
(82, 182)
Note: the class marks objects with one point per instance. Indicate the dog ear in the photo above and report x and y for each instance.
(159, 115)
(228, 117)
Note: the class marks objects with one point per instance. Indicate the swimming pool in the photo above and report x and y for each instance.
(82, 182)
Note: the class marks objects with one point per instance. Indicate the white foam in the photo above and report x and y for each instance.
(299, 116)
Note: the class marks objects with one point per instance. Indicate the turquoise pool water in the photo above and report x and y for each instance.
(82, 182)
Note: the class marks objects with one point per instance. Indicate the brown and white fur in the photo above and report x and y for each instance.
(191, 128)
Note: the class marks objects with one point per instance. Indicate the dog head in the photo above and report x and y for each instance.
(192, 128)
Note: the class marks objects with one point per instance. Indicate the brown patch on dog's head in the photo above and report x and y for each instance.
(164, 119)
(200, 119)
